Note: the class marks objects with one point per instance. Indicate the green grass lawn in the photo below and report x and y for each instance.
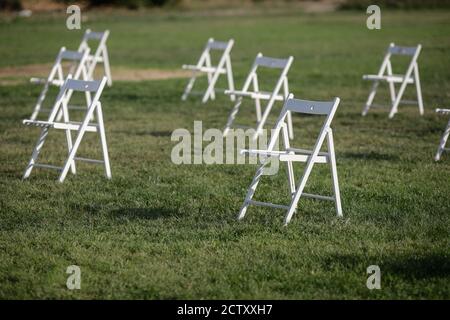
(163, 231)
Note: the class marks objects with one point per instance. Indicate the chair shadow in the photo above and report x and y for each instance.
(157, 133)
(423, 267)
(142, 213)
(372, 155)
(146, 133)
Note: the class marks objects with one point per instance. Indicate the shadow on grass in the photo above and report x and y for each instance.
(142, 213)
(372, 155)
(424, 266)
(158, 133)
(146, 133)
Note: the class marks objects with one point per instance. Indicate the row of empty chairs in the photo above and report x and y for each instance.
(80, 77)
(283, 129)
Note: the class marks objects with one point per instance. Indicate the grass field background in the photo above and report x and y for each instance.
(162, 231)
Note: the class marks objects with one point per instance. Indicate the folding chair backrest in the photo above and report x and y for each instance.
(394, 50)
(78, 60)
(71, 85)
(57, 76)
(78, 69)
(222, 47)
(100, 54)
(257, 94)
(274, 63)
(319, 108)
(101, 37)
(268, 62)
(217, 45)
(405, 51)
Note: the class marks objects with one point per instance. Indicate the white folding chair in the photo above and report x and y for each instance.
(257, 95)
(204, 65)
(69, 86)
(444, 138)
(57, 77)
(290, 155)
(100, 55)
(385, 74)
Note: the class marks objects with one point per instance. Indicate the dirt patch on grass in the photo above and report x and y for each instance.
(21, 74)
(127, 74)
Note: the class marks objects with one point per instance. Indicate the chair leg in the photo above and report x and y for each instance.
(290, 167)
(251, 191)
(418, 88)
(260, 126)
(232, 116)
(209, 94)
(370, 98)
(394, 108)
(68, 136)
(334, 175)
(101, 129)
(257, 100)
(289, 115)
(230, 78)
(304, 179)
(37, 149)
(189, 86)
(442, 143)
(76, 144)
(290, 127)
(298, 193)
(107, 66)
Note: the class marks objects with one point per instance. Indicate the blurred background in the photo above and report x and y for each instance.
(307, 5)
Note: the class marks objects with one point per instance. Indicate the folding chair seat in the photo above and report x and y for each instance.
(257, 95)
(385, 75)
(204, 65)
(61, 106)
(444, 137)
(99, 55)
(290, 155)
(57, 77)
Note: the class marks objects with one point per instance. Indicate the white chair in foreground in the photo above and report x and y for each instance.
(99, 55)
(444, 138)
(57, 77)
(290, 155)
(69, 86)
(385, 74)
(204, 65)
(257, 95)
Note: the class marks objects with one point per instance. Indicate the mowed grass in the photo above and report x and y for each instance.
(163, 231)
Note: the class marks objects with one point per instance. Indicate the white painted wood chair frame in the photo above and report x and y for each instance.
(56, 76)
(99, 56)
(444, 137)
(385, 75)
(213, 72)
(290, 155)
(61, 105)
(257, 95)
